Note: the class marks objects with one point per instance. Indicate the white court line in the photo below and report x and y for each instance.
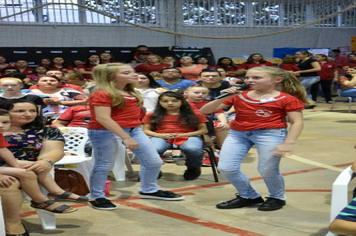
(313, 163)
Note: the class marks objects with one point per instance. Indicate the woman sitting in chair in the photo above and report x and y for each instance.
(348, 83)
(41, 146)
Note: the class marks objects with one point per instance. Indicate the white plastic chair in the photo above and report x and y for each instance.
(75, 139)
(339, 194)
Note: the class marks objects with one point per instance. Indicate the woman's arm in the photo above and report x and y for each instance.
(51, 152)
(103, 116)
(201, 130)
(147, 130)
(9, 158)
(82, 71)
(296, 126)
(349, 84)
(314, 64)
(60, 123)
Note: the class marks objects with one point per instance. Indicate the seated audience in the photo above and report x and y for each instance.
(229, 66)
(150, 91)
(189, 69)
(4, 63)
(152, 63)
(22, 66)
(348, 83)
(86, 68)
(351, 61)
(37, 72)
(171, 79)
(41, 146)
(57, 99)
(254, 60)
(174, 124)
(58, 63)
(11, 88)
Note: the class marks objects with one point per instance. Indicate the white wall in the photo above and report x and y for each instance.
(102, 36)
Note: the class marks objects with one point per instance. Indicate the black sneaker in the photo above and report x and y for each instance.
(192, 173)
(272, 204)
(239, 202)
(102, 204)
(162, 195)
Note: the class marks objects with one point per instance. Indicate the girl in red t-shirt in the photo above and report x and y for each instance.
(174, 124)
(261, 121)
(115, 118)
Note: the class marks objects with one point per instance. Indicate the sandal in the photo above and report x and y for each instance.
(59, 209)
(65, 197)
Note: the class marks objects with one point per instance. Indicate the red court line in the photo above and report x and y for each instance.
(190, 219)
(213, 225)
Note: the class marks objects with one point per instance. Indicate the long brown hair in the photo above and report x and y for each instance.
(104, 75)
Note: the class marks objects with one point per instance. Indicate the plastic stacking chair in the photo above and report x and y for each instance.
(339, 193)
(77, 160)
(339, 96)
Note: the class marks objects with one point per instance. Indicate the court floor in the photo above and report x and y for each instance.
(323, 150)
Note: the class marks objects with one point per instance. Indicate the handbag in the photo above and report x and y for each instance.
(71, 181)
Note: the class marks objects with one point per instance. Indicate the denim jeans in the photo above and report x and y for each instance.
(192, 149)
(307, 82)
(236, 146)
(348, 93)
(105, 145)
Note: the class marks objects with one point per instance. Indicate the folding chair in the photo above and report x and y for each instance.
(340, 96)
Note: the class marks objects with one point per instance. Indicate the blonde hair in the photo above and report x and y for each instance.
(104, 77)
(13, 79)
(290, 84)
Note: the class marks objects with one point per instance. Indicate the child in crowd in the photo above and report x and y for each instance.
(28, 179)
(195, 96)
(174, 124)
(261, 121)
(115, 109)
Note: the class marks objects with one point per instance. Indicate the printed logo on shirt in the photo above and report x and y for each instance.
(263, 113)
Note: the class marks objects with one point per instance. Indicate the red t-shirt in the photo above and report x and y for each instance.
(87, 68)
(126, 117)
(197, 105)
(247, 66)
(171, 124)
(289, 67)
(349, 63)
(78, 116)
(327, 70)
(27, 71)
(63, 85)
(136, 53)
(146, 68)
(3, 142)
(255, 114)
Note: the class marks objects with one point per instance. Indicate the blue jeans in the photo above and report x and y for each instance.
(307, 82)
(192, 149)
(348, 92)
(105, 145)
(233, 151)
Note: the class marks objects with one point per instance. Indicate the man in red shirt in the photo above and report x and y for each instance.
(60, 75)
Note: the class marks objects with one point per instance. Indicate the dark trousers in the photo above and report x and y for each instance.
(325, 87)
